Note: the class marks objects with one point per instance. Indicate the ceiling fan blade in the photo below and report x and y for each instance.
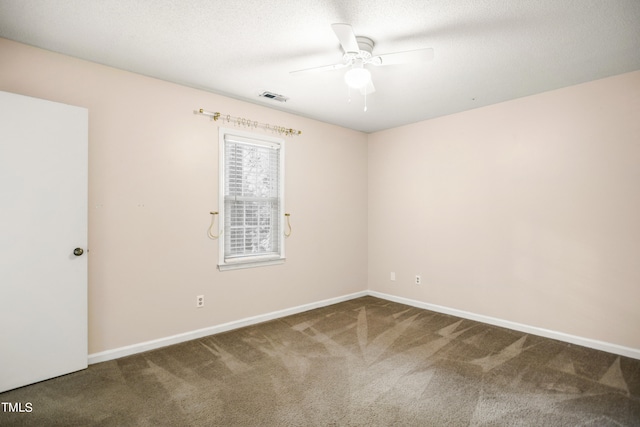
(418, 55)
(368, 88)
(347, 37)
(320, 69)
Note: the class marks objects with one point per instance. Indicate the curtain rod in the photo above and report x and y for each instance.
(239, 121)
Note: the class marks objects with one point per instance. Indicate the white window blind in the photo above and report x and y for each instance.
(252, 197)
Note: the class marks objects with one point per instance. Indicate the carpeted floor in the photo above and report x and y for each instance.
(364, 362)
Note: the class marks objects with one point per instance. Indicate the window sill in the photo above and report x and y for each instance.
(237, 265)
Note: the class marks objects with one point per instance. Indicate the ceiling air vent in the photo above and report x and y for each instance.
(274, 96)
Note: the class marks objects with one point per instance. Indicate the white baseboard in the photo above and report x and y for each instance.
(117, 353)
(192, 335)
(560, 336)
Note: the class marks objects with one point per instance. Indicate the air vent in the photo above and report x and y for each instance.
(274, 96)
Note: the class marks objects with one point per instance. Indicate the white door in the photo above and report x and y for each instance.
(43, 219)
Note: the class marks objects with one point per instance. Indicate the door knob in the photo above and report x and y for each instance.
(78, 251)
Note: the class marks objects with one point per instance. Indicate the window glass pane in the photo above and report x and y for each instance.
(251, 199)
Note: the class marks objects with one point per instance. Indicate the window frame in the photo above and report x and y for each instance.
(271, 258)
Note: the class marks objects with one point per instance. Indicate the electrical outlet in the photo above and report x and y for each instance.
(200, 301)
(393, 276)
(418, 279)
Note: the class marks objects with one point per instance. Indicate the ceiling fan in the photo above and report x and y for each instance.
(358, 53)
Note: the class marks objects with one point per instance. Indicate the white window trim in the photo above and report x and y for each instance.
(248, 261)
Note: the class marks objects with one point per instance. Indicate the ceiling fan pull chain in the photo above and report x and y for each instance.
(365, 102)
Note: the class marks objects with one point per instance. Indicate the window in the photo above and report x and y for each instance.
(251, 196)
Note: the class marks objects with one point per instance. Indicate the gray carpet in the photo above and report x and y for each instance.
(364, 362)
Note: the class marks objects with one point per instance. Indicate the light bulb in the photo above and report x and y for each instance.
(357, 77)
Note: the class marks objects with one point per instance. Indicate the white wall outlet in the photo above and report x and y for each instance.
(418, 279)
(393, 276)
(200, 301)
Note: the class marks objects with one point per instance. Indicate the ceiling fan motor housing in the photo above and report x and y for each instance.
(365, 44)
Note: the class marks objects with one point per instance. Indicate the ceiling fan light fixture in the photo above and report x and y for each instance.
(357, 77)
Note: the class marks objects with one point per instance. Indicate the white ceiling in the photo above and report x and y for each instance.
(486, 51)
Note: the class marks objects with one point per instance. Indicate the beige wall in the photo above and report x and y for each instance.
(153, 168)
(526, 211)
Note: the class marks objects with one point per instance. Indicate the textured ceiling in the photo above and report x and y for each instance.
(486, 51)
